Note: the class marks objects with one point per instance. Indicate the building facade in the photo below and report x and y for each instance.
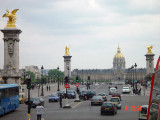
(35, 70)
(119, 72)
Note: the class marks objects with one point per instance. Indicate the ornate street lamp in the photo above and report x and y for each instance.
(42, 94)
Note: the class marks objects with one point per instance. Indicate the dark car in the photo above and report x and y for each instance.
(116, 95)
(97, 100)
(90, 94)
(82, 94)
(37, 101)
(53, 98)
(108, 107)
(71, 94)
(62, 93)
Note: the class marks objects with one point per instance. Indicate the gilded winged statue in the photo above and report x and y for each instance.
(149, 49)
(67, 50)
(12, 18)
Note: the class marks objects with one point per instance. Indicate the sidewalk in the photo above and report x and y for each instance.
(34, 92)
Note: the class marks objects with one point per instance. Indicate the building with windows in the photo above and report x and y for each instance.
(119, 72)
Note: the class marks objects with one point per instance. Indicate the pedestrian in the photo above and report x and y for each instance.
(60, 101)
(139, 91)
(47, 87)
(39, 109)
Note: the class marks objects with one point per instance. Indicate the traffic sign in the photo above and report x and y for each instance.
(77, 84)
(66, 85)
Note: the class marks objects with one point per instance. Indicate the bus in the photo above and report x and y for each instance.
(9, 98)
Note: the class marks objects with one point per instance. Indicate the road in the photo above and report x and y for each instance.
(83, 110)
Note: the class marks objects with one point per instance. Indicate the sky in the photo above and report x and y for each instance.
(91, 28)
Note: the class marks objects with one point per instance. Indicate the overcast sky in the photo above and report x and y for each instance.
(92, 29)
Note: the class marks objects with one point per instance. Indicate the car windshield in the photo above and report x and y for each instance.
(101, 94)
(60, 91)
(116, 93)
(36, 99)
(53, 95)
(144, 110)
(125, 88)
(97, 97)
(90, 92)
(107, 104)
(70, 91)
(114, 100)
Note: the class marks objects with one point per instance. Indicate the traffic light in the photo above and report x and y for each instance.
(77, 79)
(66, 80)
(29, 83)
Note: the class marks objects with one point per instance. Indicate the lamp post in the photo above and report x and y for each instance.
(58, 78)
(135, 65)
(42, 94)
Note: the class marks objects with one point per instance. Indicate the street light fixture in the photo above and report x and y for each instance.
(42, 94)
(58, 78)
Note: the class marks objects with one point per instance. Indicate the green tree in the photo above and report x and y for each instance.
(54, 72)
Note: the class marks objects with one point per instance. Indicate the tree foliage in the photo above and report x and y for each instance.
(54, 72)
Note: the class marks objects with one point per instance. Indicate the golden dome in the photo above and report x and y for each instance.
(119, 54)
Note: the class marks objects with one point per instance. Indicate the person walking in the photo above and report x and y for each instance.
(49, 88)
(39, 109)
(140, 91)
(60, 101)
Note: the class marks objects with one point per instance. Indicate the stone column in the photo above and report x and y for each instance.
(11, 40)
(67, 66)
(150, 63)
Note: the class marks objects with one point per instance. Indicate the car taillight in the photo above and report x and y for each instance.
(113, 108)
(91, 100)
(118, 102)
(101, 108)
(100, 100)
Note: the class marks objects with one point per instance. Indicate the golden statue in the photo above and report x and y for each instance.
(149, 49)
(12, 18)
(67, 50)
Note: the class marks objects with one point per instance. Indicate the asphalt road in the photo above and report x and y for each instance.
(83, 110)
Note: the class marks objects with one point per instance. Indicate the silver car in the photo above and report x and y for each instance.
(97, 100)
(116, 101)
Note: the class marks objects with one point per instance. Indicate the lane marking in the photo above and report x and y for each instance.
(76, 105)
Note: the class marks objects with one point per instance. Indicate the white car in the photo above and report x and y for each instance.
(112, 90)
(143, 113)
(126, 90)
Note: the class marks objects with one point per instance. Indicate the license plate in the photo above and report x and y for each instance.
(116, 96)
(144, 115)
(95, 102)
(115, 102)
(107, 109)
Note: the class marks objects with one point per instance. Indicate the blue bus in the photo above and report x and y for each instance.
(9, 98)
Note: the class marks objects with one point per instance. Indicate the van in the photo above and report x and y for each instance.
(143, 113)
(22, 98)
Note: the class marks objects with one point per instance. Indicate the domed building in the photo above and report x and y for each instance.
(119, 72)
(119, 60)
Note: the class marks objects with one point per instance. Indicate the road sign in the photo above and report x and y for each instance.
(77, 84)
(66, 85)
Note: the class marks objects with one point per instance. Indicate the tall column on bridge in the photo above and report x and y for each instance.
(67, 63)
(149, 61)
(11, 40)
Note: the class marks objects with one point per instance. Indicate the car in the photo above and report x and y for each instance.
(116, 94)
(53, 98)
(112, 90)
(97, 100)
(126, 90)
(108, 107)
(22, 98)
(143, 113)
(104, 96)
(62, 93)
(71, 94)
(90, 94)
(37, 101)
(116, 101)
